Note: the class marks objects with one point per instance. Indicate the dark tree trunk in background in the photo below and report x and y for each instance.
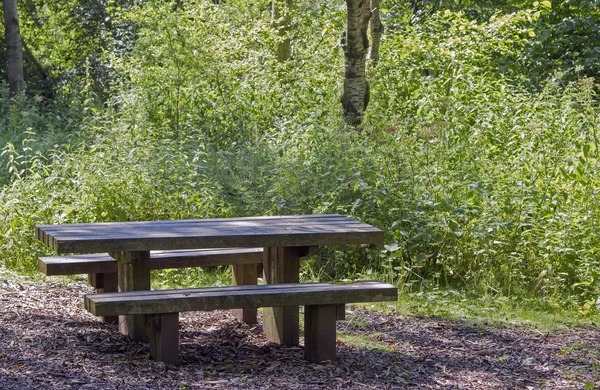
(14, 51)
(355, 96)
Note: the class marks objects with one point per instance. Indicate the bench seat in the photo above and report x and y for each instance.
(322, 302)
(102, 268)
(102, 263)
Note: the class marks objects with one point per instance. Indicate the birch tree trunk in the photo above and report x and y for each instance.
(355, 96)
(281, 13)
(14, 51)
(376, 31)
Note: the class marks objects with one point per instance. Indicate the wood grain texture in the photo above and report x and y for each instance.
(244, 275)
(103, 263)
(238, 297)
(134, 275)
(282, 265)
(282, 231)
(164, 337)
(319, 333)
(105, 283)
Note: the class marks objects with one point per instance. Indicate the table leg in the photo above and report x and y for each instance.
(282, 265)
(134, 275)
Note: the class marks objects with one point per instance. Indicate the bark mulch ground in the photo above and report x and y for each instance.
(48, 341)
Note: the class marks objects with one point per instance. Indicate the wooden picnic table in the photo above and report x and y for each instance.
(285, 240)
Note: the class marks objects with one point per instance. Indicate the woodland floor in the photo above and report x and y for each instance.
(48, 341)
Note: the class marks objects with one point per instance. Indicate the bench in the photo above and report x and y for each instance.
(322, 303)
(102, 268)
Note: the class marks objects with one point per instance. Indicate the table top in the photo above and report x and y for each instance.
(276, 231)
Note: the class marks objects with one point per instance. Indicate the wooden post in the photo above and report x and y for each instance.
(164, 338)
(244, 274)
(105, 283)
(282, 265)
(134, 275)
(340, 314)
(319, 332)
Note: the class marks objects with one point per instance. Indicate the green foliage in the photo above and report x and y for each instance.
(502, 184)
(479, 157)
(72, 41)
(209, 70)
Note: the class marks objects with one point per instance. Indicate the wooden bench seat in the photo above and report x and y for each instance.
(102, 263)
(321, 302)
(102, 268)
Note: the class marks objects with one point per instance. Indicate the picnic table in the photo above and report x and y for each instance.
(285, 240)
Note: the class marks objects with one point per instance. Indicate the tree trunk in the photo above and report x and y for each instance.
(14, 51)
(281, 12)
(355, 96)
(376, 30)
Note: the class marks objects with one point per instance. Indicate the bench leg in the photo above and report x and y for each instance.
(244, 274)
(105, 283)
(319, 332)
(134, 275)
(282, 265)
(164, 338)
(340, 314)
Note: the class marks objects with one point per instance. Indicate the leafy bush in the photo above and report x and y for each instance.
(481, 168)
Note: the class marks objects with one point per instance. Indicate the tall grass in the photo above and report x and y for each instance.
(480, 181)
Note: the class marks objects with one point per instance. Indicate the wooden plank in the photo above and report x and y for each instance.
(210, 221)
(183, 228)
(371, 286)
(78, 264)
(282, 265)
(131, 229)
(103, 263)
(204, 257)
(134, 275)
(232, 232)
(164, 338)
(277, 295)
(242, 275)
(319, 332)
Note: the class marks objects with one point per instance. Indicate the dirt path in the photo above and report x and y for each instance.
(48, 341)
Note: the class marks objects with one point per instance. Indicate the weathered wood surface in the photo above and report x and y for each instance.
(105, 283)
(282, 265)
(282, 231)
(319, 332)
(244, 275)
(164, 337)
(103, 263)
(238, 297)
(133, 275)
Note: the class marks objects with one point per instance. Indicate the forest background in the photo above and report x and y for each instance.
(477, 154)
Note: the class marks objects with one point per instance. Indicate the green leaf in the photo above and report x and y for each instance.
(392, 247)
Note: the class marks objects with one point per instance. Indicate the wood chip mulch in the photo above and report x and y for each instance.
(48, 341)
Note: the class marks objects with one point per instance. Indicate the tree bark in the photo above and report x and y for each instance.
(355, 96)
(281, 12)
(14, 50)
(376, 31)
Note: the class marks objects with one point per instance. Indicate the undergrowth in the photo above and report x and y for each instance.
(483, 177)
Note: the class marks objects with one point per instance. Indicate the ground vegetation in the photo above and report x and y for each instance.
(477, 154)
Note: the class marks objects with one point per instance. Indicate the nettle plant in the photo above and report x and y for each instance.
(493, 182)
